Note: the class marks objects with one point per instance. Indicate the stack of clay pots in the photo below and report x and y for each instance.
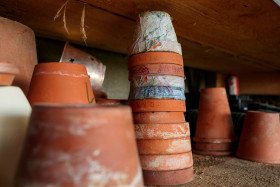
(157, 98)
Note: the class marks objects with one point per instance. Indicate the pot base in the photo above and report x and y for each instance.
(213, 153)
(164, 178)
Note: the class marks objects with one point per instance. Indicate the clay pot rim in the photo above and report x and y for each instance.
(212, 89)
(75, 105)
(7, 68)
(169, 170)
(167, 139)
(215, 140)
(258, 160)
(171, 154)
(213, 153)
(60, 63)
(261, 112)
(187, 123)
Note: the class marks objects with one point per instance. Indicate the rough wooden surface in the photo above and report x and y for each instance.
(237, 36)
(232, 172)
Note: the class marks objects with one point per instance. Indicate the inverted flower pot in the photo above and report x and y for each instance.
(214, 123)
(7, 73)
(158, 117)
(161, 131)
(18, 47)
(158, 105)
(166, 178)
(260, 138)
(60, 83)
(80, 145)
(154, 32)
(156, 69)
(14, 115)
(166, 162)
(157, 57)
(164, 146)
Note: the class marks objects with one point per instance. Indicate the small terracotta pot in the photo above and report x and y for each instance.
(15, 111)
(73, 145)
(260, 138)
(156, 69)
(18, 47)
(60, 83)
(169, 146)
(162, 131)
(215, 146)
(158, 117)
(7, 73)
(164, 178)
(112, 101)
(155, 58)
(158, 105)
(214, 123)
(166, 162)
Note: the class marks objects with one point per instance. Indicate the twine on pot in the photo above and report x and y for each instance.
(63, 7)
(82, 28)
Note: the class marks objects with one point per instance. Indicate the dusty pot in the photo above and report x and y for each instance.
(154, 32)
(166, 162)
(78, 145)
(18, 47)
(7, 73)
(156, 69)
(60, 83)
(158, 105)
(112, 101)
(155, 58)
(161, 131)
(166, 178)
(164, 146)
(214, 123)
(260, 138)
(158, 117)
(14, 114)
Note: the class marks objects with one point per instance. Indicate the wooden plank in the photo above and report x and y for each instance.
(261, 83)
(243, 28)
(113, 32)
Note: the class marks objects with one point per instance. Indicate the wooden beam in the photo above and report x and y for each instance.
(111, 26)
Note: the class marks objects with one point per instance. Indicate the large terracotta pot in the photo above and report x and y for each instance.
(60, 83)
(158, 117)
(260, 138)
(78, 145)
(19, 48)
(214, 123)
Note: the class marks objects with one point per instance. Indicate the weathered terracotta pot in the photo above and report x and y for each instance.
(154, 32)
(156, 69)
(60, 83)
(7, 73)
(214, 123)
(80, 145)
(14, 114)
(112, 101)
(161, 131)
(161, 147)
(19, 48)
(166, 162)
(155, 58)
(260, 138)
(164, 178)
(158, 105)
(158, 117)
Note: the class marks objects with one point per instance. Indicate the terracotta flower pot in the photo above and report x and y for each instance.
(166, 162)
(7, 73)
(260, 138)
(157, 92)
(161, 147)
(60, 83)
(154, 32)
(18, 47)
(162, 131)
(14, 114)
(112, 101)
(166, 178)
(158, 117)
(80, 145)
(156, 69)
(155, 58)
(214, 123)
(158, 105)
